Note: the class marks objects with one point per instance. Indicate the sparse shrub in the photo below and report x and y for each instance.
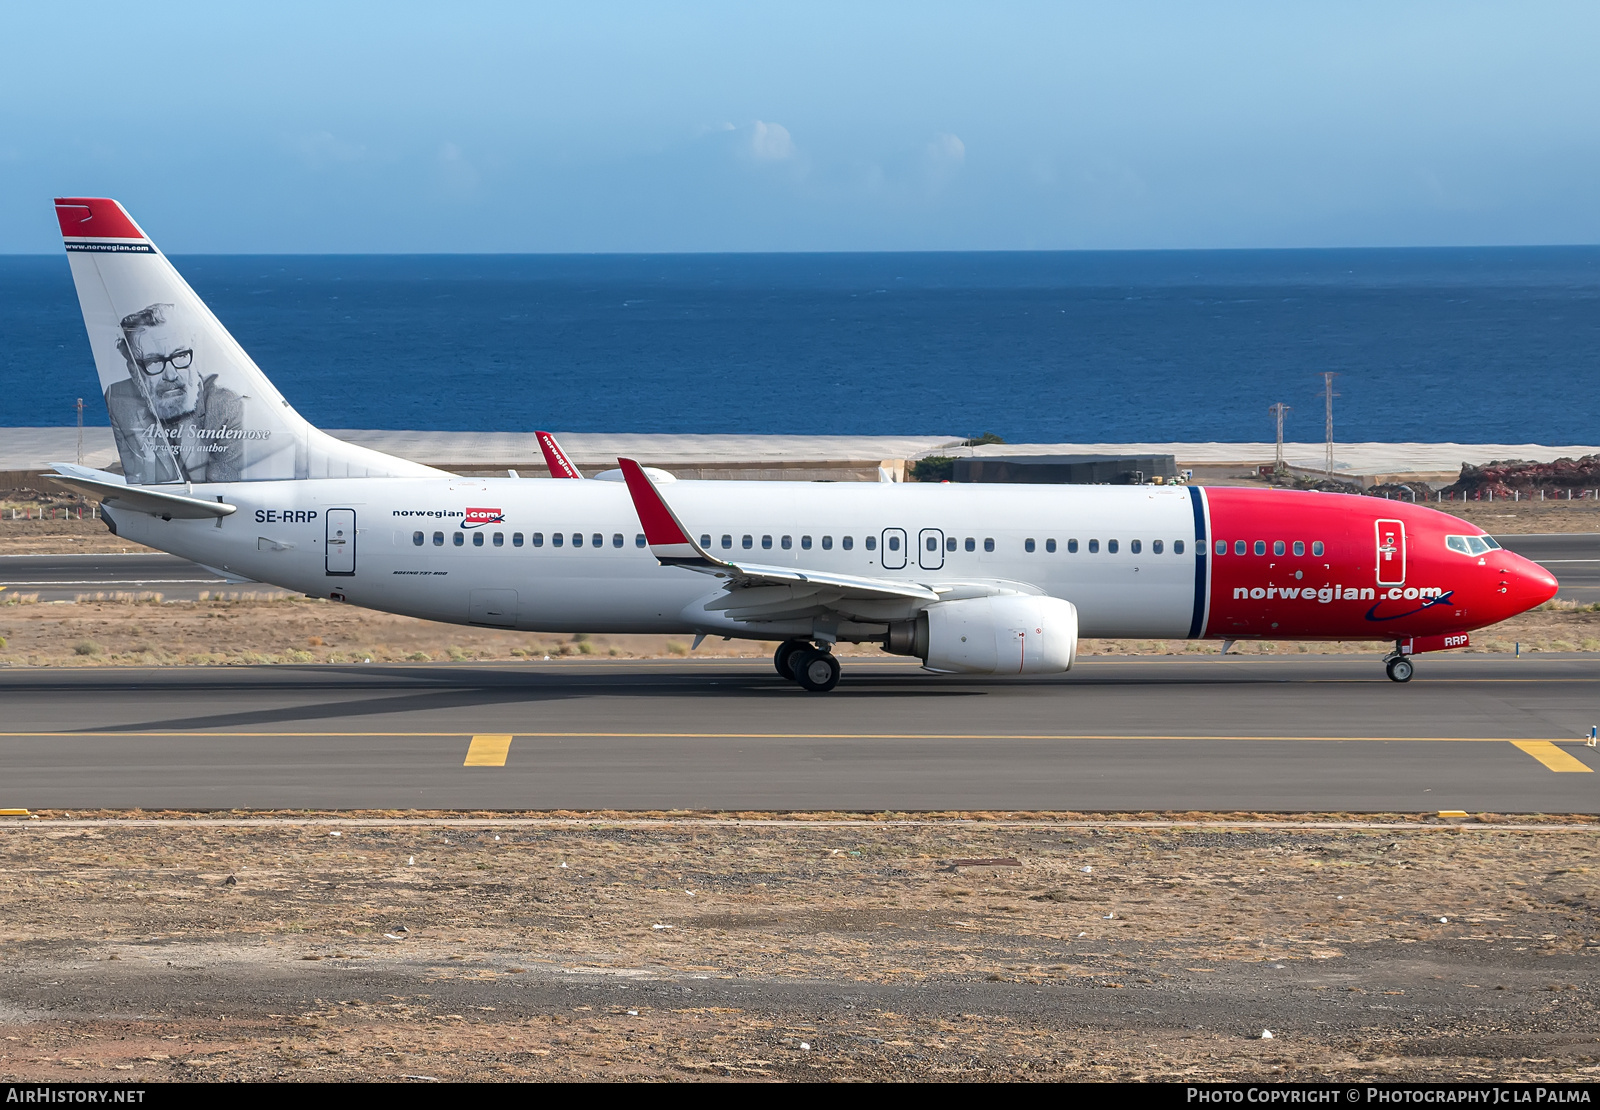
(456, 653)
(87, 647)
(315, 641)
(580, 637)
(676, 648)
(2, 643)
(298, 656)
(614, 651)
(420, 657)
(585, 647)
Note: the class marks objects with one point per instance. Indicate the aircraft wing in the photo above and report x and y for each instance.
(672, 546)
(555, 458)
(115, 492)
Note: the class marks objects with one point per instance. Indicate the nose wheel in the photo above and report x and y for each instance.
(1399, 668)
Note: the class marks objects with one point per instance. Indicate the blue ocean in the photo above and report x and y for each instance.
(1475, 345)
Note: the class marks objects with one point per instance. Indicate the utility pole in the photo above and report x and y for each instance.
(1279, 410)
(80, 431)
(1328, 395)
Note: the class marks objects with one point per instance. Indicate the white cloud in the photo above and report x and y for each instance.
(771, 142)
(323, 148)
(947, 150)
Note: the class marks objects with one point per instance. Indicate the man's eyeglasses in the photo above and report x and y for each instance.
(181, 359)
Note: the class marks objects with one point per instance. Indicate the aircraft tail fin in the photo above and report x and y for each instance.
(555, 458)
(187, 403)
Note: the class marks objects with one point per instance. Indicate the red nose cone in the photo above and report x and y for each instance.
(1528, 585)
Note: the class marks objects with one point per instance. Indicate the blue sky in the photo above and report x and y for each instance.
(812, 126)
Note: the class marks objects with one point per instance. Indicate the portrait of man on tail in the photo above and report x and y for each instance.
(172, 422)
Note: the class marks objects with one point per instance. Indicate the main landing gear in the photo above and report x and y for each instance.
(1399, 668)
(813, 668)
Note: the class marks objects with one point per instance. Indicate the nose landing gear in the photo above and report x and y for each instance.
(814, 669)
(1399, 668)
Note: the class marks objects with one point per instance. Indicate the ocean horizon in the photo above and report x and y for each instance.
(1431, 344)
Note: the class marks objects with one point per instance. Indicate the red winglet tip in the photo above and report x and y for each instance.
(660, 528)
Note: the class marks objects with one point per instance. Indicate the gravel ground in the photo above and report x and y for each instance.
(700, 948)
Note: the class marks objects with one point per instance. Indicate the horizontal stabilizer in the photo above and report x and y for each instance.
(116, 493)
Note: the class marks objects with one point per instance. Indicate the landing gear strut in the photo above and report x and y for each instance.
(1399, 668)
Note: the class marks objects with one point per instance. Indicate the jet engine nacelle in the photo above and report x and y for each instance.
(1014, 634)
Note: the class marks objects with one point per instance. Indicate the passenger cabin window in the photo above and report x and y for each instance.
(933, 543)
(705, 541)
(1111, 547)
(1050, 546)
(616, 539)
(827, 543)
(1261, 547)
(727, 541)
(477, 539)
(499, 539)
(1222, 547)
(1027, 544)
(538, 539)
(1277, 547)
(871, 542)
(577, 539)
(971, 544)
(516, 539)
(416, 538)
(805, 543)
(988, 543)
(1177, 547)
(787, 542)
(1155, 546)
(1094, 547)
(894, 543)
(766, 543)
(1072, 547)
(557, 539)
(597, 540)
(438, 539)
(846, 542)
(639, 540)
(1316, 548)
(747, 542)
(949, 543)
(1134, 546)
(1299, 547)
(458, 539)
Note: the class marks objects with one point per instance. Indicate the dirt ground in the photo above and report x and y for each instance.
(699, 948)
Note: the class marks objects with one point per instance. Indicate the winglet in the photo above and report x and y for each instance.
(668, 539)
(555, 458)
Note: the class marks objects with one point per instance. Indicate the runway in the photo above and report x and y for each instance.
(1479, 733)
(68, 577)
(1573, 558)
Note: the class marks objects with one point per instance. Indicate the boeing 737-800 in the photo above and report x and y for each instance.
(982, 579)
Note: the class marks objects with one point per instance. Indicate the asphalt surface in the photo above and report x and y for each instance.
(68, 577)
(1314, 733)
(1573, 558)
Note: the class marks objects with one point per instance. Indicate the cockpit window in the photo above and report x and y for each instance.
(1470, 545)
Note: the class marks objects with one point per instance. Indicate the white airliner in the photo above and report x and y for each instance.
(982, 579)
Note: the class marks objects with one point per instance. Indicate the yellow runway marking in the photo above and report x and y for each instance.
(1273, 738)
(488, 750)
(1551, 756)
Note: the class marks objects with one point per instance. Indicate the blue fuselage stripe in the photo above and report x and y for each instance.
(1202, 547)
